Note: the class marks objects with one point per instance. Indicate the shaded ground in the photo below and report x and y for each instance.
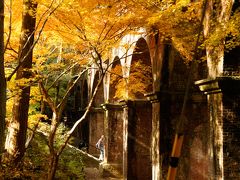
(93, 174)
(91, 168)
(73, 164)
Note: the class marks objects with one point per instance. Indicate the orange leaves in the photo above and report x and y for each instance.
(136, 85)
(179, 23)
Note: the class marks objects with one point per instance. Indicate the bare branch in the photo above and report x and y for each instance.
(70, 132)
(46, 96)
(72, 85)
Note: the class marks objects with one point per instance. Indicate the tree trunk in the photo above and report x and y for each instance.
(16, 137)
(53, 155)
(52, 166)
(2, 81)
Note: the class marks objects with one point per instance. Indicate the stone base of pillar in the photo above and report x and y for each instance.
(110, 170)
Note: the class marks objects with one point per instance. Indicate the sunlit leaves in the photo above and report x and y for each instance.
(179, 23)
(134, 87)
(233, 32)
(98, 24)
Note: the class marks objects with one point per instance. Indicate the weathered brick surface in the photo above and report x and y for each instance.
(231, 136)
(96, 124)
(195, 161)
(115, 135)
(139, 140)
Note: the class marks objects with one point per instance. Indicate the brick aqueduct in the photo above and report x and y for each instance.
(139, 131)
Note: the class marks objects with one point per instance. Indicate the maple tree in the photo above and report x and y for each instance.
(82, 33)
(92, 41)
(17, 126)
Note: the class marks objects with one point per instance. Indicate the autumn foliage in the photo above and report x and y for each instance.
(69, 36)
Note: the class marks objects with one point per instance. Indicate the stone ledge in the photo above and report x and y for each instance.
(108, 106)
(131, 103)
(222, 84)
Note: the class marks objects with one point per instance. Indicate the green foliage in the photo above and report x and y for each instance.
(36, 160)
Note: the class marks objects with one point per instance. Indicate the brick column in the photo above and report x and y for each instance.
(214, 98)
(137, 126)
(221, 93)
(155, 140)
(126, 113)
(113, 125)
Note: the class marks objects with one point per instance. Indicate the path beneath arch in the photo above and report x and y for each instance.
(91, 168)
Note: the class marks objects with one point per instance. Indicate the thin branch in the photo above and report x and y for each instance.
(46, 96)
(11, 49)
(105, 26)
(64, 72)
(70, 132)
(72, 85)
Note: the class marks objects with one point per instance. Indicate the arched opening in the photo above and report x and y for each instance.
(83, 128)
(115, 79)
(140, 78)
(99, 99)
(84, 95)
(78, 101)
(231, 105)
(140, 115)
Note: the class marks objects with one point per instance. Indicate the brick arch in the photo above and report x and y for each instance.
(81, 94)
(139, 120)
(140, 77)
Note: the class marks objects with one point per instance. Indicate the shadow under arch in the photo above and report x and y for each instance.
(115, 77)
(99, 99)
(231, 105)
(83, 128)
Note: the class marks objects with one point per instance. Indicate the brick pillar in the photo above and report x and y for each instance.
(137, 126)
(214, 98)
(155, 137)
(221, 112)
(216, 134)
(126, 112)
(113, 125)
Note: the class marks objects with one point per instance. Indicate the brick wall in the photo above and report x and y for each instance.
(139, 141)
(96, 122)
(115, 138)
(195, 160)
(231, 136)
